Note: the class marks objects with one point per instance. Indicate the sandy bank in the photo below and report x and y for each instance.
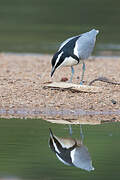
(22, 79)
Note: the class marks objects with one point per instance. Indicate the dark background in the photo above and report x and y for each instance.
(41, 25)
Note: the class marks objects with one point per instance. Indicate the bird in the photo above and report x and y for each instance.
(71, 152)
(73, 51)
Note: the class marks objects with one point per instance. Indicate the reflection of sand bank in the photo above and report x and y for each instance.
(10, 178)
(22, 80)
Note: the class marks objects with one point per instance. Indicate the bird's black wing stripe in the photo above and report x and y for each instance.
(54, 58)
(59, 146)
(51, 145)
(68, 48)
(63, 56)
(65, 156)
(70, 44)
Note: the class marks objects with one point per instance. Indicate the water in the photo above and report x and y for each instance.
(41, 25)
(24, 151)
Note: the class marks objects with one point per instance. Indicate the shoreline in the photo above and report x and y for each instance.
(22, 78)
(109, 55)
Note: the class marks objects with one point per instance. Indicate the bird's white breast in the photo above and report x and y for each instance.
(69, 61)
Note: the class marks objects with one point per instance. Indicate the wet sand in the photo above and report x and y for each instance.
(22, 92)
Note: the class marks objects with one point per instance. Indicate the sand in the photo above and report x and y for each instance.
(22, 92)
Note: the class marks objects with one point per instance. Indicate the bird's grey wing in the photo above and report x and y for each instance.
(65, 42)
(81, 158)
(84, 47)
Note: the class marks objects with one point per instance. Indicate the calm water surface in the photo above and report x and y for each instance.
(41, 25)
(24, 151)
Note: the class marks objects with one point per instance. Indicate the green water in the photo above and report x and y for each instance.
(41, 25)
(24, 151)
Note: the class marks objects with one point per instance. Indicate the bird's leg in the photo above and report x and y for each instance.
(83, 71)
(70, 129)
(81, 133)
(72, 71)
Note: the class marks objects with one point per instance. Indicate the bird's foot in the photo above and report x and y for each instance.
(70, 81)
(70, 129)
(81, 83)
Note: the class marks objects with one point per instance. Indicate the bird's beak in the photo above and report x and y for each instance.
(52, 72)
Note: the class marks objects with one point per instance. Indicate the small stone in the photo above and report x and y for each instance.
(113, 101)
(91, 107)
(64, 79)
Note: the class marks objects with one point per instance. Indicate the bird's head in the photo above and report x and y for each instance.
(56, 61)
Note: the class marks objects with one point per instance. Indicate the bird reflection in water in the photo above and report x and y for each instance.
(71, 151)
